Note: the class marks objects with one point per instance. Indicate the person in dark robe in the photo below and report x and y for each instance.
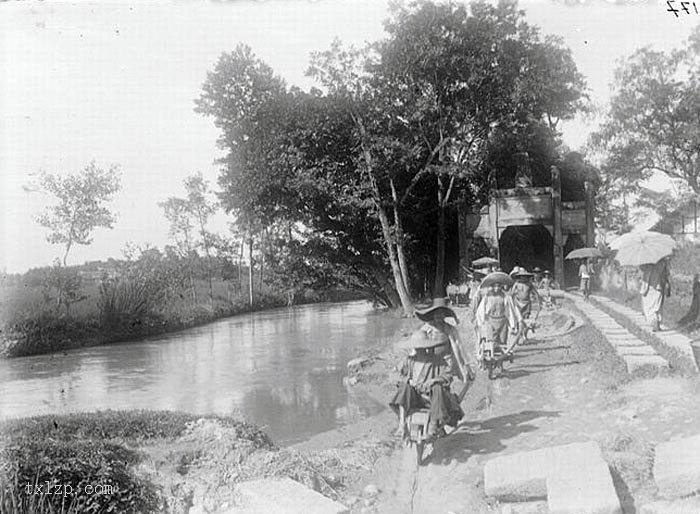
(427, 373)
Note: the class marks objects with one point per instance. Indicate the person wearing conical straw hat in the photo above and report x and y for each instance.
(438, 316)
(496, 316)
(536, 276)
(655, 285)
(523, 292)
(427, 374)
(546, 285)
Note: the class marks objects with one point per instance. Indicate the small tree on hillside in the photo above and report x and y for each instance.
(177, 213)
(201, 207)
(652, 124)
(81, 205)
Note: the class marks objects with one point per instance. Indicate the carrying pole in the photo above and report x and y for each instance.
(463, 369)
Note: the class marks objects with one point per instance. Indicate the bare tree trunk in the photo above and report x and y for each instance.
(400, 239)
(386, 286)
(405, 298)
(250, 271)
(193, 287)
(240, 267)
(439, 284)
(262, 258)
(65, 255)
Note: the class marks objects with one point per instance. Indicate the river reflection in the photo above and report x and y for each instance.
(281, 368)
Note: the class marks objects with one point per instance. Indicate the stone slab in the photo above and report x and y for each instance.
(685, 506)
(525, 476)
(623, 338)
(586, 491)
(635, 350)
(629, 344)
(681, 344)
(677, 467)
(281, 496)
(536, 507)
(518, 477)
(638, 362)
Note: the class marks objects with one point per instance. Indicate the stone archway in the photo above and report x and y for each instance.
(527, 246)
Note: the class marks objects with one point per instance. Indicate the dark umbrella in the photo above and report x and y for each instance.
(485, 261)
(584, 253)
(497, 277)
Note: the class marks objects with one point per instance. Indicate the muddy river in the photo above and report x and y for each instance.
(282, 369)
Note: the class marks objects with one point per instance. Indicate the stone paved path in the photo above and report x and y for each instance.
(564, 390)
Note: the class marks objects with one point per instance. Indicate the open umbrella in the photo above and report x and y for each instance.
(584, 253)
(637, 248)
(485, 261)
(497, 277)
(633, 237)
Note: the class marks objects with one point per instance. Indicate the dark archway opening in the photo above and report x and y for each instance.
(573, 241)
(527, 246)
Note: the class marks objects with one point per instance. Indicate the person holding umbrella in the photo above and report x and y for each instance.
(585, 270)
(650, 251)
(655, 285)
(497, 315)
(489, 262)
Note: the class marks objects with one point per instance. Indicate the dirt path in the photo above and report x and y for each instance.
(567, 389)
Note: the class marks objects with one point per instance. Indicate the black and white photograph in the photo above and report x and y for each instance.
(350, 257)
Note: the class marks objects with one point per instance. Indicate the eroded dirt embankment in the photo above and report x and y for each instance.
(566, 385)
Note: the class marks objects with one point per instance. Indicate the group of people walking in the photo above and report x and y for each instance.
(500, 305)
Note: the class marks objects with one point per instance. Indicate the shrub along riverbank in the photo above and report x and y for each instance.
(56, 309)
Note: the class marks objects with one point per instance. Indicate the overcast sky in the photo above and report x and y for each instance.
(115, 83)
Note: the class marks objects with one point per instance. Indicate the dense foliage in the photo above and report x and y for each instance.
(404, 134)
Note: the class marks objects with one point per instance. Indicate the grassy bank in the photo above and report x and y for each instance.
(32, 322)
(90, 462)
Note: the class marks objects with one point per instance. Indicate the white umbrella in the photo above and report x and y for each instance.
(638, 248)
(584, 253)
(633, 237)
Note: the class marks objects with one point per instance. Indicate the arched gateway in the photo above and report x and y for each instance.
(531, 226)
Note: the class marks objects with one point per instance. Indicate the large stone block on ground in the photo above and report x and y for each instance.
(518, 477)
(635, 350)
(677, 467)
(281, 496)
(572, 471)
(628, 340)
(653, 363)
(682, 344)
(685, 506)
(589, 490)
